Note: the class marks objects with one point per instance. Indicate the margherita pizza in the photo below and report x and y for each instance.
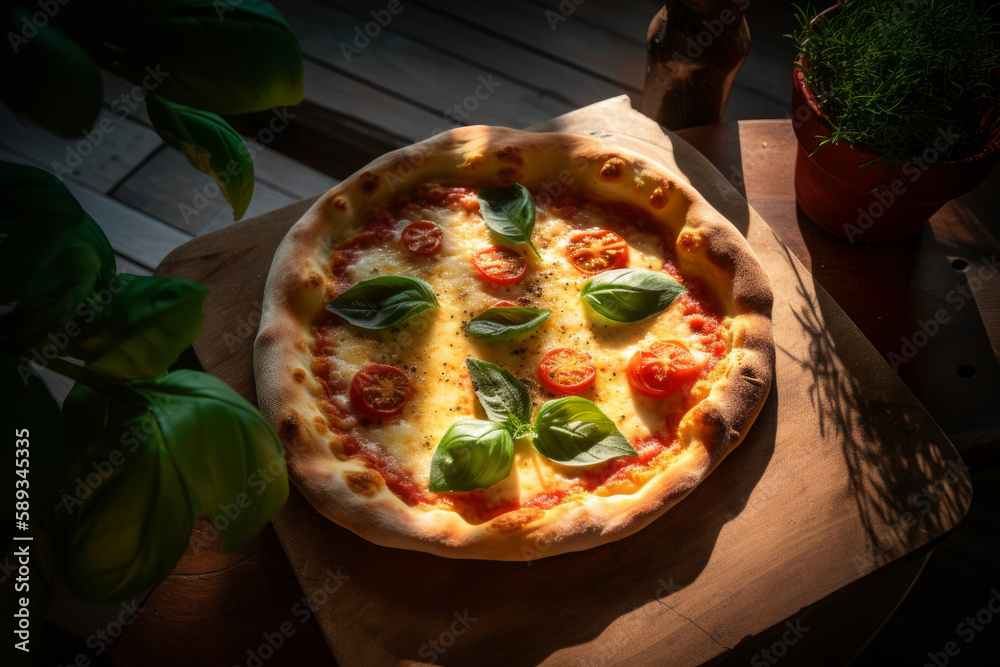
(502, 345)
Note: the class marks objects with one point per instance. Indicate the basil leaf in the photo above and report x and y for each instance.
(49, 77)
(52, 255)
(500, 393)
(210, 145)
(506, 322)
(383, 302)
(630, 295)
(510, 213)
(573, 431)
(473, 454)
(161, 463)
(237, 57)
(141, 331)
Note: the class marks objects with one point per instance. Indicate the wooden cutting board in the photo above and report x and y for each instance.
(843, 472)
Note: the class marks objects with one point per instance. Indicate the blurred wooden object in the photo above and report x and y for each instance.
(694, 49)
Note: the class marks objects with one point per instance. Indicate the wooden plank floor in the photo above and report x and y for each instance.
(419, 76)
(416, 77)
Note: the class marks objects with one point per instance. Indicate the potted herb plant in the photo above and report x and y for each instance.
(895, 108)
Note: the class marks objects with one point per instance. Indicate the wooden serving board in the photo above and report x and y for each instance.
(843, 472)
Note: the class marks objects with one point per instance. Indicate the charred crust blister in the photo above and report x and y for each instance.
(687, 241)
(612, 169)
(370, 182)
(288, 428)
(507, 175)
(658, 198)
(320, 425)
(365, 483)
(514, 521)
(472, 161)
(510, 154)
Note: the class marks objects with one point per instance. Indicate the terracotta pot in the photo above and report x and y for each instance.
(836, 191)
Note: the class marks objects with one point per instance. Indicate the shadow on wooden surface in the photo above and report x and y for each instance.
(881, 438)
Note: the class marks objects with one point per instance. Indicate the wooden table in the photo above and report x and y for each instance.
(229, 607)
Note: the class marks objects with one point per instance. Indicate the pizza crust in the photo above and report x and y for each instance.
(708, 247)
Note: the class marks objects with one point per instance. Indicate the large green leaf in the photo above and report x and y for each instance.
(383, 302)
(575, 432)
(45, 75)
(38, 215)
(630, 295)
(505, 322)
(223, 56)
(472, 454)
(509, 212)
(194, 444)
(66, 274)
(209, 144)
(500, 393)
(143, 327)
(89, 412)
(128, 515)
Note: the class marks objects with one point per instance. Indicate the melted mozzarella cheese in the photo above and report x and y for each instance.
(432, 348)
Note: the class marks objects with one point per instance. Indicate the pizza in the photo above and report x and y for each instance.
(507, 345)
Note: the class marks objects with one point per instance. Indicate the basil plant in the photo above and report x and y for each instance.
(109, 483)
(192, 60)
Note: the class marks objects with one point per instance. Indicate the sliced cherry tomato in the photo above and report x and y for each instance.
(685, 366)
(423, 238)
(659, 371)
(499, 265)
(503, 304)
(380, 391)
(596, 250)
(566, 371)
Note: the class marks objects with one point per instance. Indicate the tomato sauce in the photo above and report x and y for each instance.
(398, 481)
(621, 469)
(475, 507)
